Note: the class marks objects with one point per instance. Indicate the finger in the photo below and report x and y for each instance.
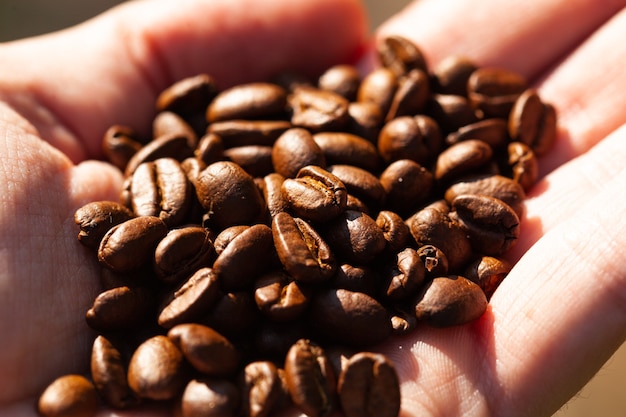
(521, 36)
(74, 84)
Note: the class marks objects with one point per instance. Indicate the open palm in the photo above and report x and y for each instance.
(554, 321)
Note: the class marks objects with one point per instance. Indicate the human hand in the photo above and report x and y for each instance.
(526, 356)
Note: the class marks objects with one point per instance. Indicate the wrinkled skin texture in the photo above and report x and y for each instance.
(573, 231)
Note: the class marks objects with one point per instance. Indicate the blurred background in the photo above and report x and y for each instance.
(604, 396)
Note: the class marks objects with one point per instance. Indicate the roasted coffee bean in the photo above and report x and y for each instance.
(191, 300)
(362, 278)
(210, 397)
(523, 164)
(497, 186)
(279, 297)
(226, 236)
(310, 378)
(246, 257)
(360, 183)
(235, 133)
(294, 150)
(131, 244)
(261, 389)
(491, 131)
(365, 120)
(369, 386)
(354, 237)
(157, 370)
(229, 195)
(434, 260)
(450, 301)
(395, 230)
(493, 91)
(462, 158)
(492, 224)
(417, 138)
(402, 322)
(450, 112)
(160, 188)
(378, 87)
(120, 308)
(488, 272)
(97, 218)
(301, 250)
(349, 317)
(168, 146)
(108, 372)
(400, 55)
(119, 144)
(452, 74)
(69, 396)
(210, 149)
(273, 195)
(407, 185)
(256, 160)
(169, 123)
(206, 350)
(403, 275)
(411, 96)
(235, 315)
(251, 101)
(341, 79)
(317, 110)
(188, 96)
(347, 149)
(533, 122)
(315, 194)
(431, 226)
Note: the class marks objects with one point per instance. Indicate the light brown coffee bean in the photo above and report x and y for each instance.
(400, 55)
(108, 372)
(69, 396)
(294, 150)
(210, 397)
(493, 91)
(461, 159)
(318, 110)
(279, 297)
(251, 101)
(417, 138)
(341, 79)
(452, 73)
(488, 272)
(261, 389)
(533, 122)
(97, 218)
(347, 149)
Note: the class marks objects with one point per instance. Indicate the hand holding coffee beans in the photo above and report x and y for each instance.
(259, 232)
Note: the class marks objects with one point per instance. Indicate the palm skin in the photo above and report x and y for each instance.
(554, 321)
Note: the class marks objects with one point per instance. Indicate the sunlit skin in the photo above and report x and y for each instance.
(550, 326)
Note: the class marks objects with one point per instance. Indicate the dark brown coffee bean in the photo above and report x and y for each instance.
(354, 237)
(97, 218)
(318, 110)
(349, 317)
(226, 236)
(404, 275)
(450, 301)
(246, 257)
(130, 244)
(301, 250)
(168, 146)
(229, 195)
(235, 315)
(533, 122)
(491, 131)
(407, 186)
(310, 378)
(341, 79)
(160, 188)
(251, 101)
(400, 55)
(315, 194)
(210, 397)
(256, 160)
(523, 164)
(369, 386)
(210, 149)
(294, 150)
(69, 396)
(169, 123)
(417, 138)
(493, 91)
(120, 308)
(492, 224)
(451, 112)
(191, 300)
(451, 75)
(157, 369)
(279, 297)
(346, 149)
(119, 144)
(365, 120)
(462, 158)
(273, 195)
(378, 87)
(188, 96)
(108, 372)
(488, 272)
(261, 389)
(431, 226)
(402, 322)
(360, 183)
(205, 349)
(235, 133)
(364, 279)
(395, 230)
(411, 96)
(434, 260)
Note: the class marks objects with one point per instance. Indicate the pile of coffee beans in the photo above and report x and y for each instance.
(269, 235)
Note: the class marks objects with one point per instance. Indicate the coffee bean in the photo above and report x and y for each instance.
(210, 149)
(361, 278)
(317, 110)
(400, 55)
(378, 87)
(251, 101)
(120, 308)
(341, 79)
(403, 275)
(488, 272)
(434, 260)
(450, 112)
(310, 378)
(175, 146)
(69, 396)
(395, 231)
(417, 138)
(523, 164)
(188, 96)
(157, 369)
(411, 95)
(360, 183)
(450, 301)
(369, 386)
(533, 122)
(119, 144)
(279, 297)
(169, 123)
(235, 133)
(365, 120)
(108, 371)
(235, 315)
(210, 397)
(462, 158)
(261, 389)
(347, 149)
(493, 91)
(354, 237)
(452, 74)
(294, 150)
(407, 185)
(491, 131)
(97, 218)
(273, 195)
